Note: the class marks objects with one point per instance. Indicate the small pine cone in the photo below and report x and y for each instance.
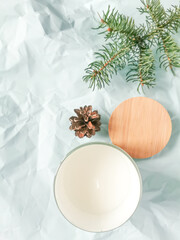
(86, 123)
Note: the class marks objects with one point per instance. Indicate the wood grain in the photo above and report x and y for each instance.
(141, 126)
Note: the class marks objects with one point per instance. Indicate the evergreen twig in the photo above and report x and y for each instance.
(130, 45)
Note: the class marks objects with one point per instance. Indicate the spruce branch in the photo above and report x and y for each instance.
(171, 52)
(142, 68)
(115, 25)
(170, 57)
(108, 58)
(173, 19)
(128, 44)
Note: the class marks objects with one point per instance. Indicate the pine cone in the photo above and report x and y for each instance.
(86, 123)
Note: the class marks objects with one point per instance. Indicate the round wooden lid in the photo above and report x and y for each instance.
(141, 126)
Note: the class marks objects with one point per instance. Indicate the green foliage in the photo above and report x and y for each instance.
(170, 52)
(130, 45)
(119, 25)
(108, 58)
(173, 19)
(142, 68)
(163, 24)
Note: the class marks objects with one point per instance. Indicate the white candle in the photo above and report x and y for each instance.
(97, 187)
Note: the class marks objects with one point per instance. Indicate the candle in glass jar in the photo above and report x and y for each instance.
(97, 187)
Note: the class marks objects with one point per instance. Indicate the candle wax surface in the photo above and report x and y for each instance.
(97, 187)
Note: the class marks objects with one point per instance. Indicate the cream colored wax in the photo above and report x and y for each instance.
(97, 187)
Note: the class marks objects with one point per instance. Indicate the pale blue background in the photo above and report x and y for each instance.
(44, 47)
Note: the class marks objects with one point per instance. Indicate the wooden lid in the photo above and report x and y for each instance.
(141, 126)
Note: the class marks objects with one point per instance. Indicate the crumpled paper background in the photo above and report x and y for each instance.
(44, 47)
